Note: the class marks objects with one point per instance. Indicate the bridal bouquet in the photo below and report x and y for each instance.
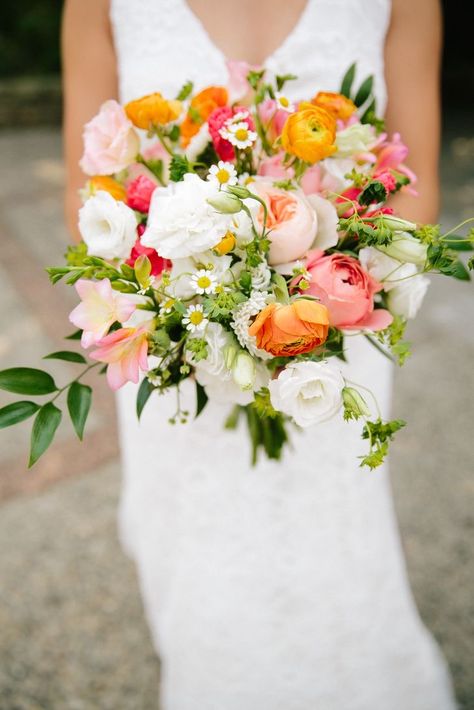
(237, 238)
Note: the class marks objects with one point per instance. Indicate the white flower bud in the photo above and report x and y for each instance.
(406, 249)
(225, 203)
(244, 371)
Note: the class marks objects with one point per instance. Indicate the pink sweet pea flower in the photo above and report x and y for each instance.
(342, 285)
(101, 306)
(239, 88)
(390, 155)
(125, 350)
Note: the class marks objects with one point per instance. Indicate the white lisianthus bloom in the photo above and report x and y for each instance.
(406, 296)
(406, 248)
(108, 227)
(181, 222)
(326, 234)
(216, 377)
(198, 143)
(381, 266)
(356, 138)
(309, 392)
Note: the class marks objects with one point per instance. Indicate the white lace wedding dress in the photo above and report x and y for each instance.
(281, 587)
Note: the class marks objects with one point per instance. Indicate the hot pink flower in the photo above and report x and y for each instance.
(101, 306)
(158, 264)
(125, 350)
(217, 119)
(139, 193)
(390, 155)
(110, 141)
(347, 291)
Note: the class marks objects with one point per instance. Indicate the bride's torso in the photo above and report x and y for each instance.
(161, 44)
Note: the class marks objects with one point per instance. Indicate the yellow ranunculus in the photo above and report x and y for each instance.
(226, 244)
(107, 184)
(337, 104)
(309, 133)
(152, 110)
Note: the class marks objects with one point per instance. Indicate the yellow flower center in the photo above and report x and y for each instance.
(223, 175)
(242, 134)
(284, 102)
(204, 282)
(168, 304)
(196, 317)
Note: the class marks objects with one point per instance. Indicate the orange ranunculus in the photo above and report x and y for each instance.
(285, 330)
(201, 107)
(309, 133)
(337, 104)
(108, 184)
(152, 110)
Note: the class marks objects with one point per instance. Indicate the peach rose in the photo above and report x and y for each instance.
(291, 219)
(286, 330)
(309, 133)
(341, 284)
(152, 110)
(110, 141)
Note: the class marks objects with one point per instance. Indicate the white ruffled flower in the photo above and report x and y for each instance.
(108, 227)
(406, 296)
(222, 174)
(195, 318)
(238, 134)
(241, 320)
(309, 392)
(334, 171)
(406, 248)
(181, 222)
(198, 143)
(356, 138)
(204, 281)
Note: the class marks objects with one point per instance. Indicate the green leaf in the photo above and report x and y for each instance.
(458, 243)
(74, 336)
(143, 395)
(348, 80)
(44, 428)
(280, 288)
(26, 380)
(185, 91)
(67, 355)
(364, 91)
(79, 399)
(282, 79)
(17, 412)
(179, 166)
(201, 399)
(457, 270)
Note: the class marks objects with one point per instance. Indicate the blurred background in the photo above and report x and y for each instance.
(73, 636)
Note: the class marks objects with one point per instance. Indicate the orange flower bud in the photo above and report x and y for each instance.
(309, 133)
(152, 110)
(107, 184)
(337, 104)
(286, 330)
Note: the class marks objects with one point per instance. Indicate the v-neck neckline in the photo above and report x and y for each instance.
(274, 53)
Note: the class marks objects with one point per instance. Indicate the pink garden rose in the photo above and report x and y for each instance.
(139, 193)
(110, 141)
(347, 291)
(291, 219)
(100, 307)
(126, 352)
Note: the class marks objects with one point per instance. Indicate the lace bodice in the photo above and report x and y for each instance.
(160, 44)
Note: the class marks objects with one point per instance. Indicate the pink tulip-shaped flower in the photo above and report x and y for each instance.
(101, 306)
(125, 351)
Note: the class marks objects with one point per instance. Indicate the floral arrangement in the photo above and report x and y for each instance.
(237, 238)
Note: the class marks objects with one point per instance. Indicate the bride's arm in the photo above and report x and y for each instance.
(89, 78)
(412, 59)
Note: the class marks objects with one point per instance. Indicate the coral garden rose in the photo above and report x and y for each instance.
(292, 329)
(291, 220)
(139, 193)
(340, 106)
(152, 110)
(108, 227)
(107, 184)
(308, 392)
(110, 141)
(201, 107)
(341, 284)
(309, 133)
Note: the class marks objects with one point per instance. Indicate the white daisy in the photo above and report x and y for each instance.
(239, 116)
(239, 134)
(284, 102)
(245, 179)
(203, 281)
(222, 174)
(195, 318)
(167, 306)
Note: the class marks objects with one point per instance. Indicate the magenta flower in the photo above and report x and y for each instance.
(101, 306)
(125, 351)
